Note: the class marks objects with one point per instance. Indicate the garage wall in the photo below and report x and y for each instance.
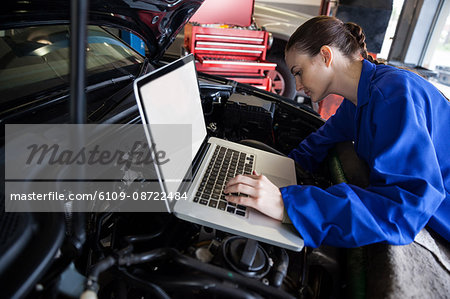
(310, 7)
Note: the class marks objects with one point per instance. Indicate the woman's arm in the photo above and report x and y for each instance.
(314, 148)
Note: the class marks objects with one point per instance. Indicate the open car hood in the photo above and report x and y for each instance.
(157, 22)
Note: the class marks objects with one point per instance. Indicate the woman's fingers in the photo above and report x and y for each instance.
(262, 194)
(241, 200)
(241, 188)
(243, 179)
(244, 184)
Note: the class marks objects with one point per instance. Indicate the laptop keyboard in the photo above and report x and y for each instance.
(224, 165)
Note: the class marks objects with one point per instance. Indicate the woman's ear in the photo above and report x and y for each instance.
(327, 55)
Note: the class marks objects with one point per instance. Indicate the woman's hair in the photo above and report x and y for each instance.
(348, 37)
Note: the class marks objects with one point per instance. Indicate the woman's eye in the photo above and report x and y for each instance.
(299, 73)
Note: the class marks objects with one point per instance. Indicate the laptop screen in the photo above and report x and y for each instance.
(170, 96)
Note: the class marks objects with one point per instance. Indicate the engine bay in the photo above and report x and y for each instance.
(156, 255)
(161, 256)
(173, 259)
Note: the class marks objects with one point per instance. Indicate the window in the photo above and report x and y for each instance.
(440, 54)
(390, 31)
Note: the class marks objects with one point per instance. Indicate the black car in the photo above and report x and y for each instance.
(53, 254)
(145, 255)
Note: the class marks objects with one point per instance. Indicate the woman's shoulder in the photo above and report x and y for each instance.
(394, 75)
(396, 82)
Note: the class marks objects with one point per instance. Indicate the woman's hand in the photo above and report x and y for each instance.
(263, 195)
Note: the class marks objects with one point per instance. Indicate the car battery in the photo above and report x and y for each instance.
(248, 117)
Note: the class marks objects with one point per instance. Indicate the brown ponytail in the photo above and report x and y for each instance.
(349, 37)
(357, 32)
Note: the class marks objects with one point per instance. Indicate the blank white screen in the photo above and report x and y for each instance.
(174, 98)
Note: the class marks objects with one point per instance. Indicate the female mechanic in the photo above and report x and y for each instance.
(399, 124)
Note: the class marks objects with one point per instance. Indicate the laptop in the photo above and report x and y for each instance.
(170, 96)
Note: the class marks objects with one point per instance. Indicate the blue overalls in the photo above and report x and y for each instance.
(401, 128)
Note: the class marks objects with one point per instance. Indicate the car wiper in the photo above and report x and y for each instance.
(109, 82)
(110, 103)
(144, 67)
(116, 80)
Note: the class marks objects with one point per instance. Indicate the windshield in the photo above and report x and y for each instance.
(35, 59)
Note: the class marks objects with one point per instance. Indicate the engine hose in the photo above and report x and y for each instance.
(356, 262)
(142, 238)
(147, 285)
(356, 269)
(280, 268)
(214, 271)
(92, 286)
(336, 172)
(206, 287)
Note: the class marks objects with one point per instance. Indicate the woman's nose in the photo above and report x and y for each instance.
(298, 84)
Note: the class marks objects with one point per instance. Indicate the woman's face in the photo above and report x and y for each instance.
(311, 74)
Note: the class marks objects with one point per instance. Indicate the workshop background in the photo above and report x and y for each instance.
(67, 63)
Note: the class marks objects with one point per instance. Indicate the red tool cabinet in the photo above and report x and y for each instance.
(235, 53)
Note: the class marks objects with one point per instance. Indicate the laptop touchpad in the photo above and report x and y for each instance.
(278, 181)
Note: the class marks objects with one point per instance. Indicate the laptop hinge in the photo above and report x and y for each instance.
(198, 159)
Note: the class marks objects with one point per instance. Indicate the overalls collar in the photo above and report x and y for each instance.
(367, 72)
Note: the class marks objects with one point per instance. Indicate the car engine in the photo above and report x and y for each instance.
(156, 255)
